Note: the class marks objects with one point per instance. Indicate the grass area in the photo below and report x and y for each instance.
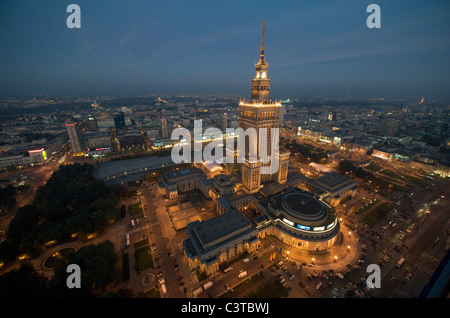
(144, 259)
(366, 207)
(245, 285)
(136, 210)
(416, 180)
(400, 188)
(372, 167)
(377, 214)
(269, 290)
(141, 243)
(152, 293)
(388, 185)
(392, 174)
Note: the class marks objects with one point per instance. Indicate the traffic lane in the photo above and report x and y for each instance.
(252, 267)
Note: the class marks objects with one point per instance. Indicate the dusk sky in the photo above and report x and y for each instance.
(145, 47)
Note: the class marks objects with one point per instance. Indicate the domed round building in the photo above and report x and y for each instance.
(300, 220)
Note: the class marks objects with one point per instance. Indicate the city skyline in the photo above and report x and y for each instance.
(185, 47)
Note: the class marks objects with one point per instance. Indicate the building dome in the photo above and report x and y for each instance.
(303, 208)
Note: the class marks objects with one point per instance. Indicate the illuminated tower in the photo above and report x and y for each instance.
(261, 82)
(261, 112)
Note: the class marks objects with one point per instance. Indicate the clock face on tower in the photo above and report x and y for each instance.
(263, 75)
(257, 74)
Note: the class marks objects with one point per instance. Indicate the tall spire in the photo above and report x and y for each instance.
(261, 59)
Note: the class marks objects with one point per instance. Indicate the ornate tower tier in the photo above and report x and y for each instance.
(261, 112)
(261, 82)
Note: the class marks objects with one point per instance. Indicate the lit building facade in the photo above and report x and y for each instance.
(260, 113)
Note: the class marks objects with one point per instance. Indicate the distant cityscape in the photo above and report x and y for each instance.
(408, 132)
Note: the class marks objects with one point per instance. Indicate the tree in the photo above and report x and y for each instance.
(22, 282)
(346, 166)
(98, 263)
(72, 201)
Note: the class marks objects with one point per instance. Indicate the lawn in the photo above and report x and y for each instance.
(377, 214)
(269, 290)
(366, 207)
(141, 243)
(143, 258)
(244, 285)
(135, 210)
(152, 293)
(416, 180)
(392, 174)
(373, 167)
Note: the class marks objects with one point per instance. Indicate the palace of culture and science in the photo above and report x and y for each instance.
(253, 201)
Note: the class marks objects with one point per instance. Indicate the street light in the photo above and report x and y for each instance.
(335, 259)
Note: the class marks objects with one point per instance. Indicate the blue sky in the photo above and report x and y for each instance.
(144, 47)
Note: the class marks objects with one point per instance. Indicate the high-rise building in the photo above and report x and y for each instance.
(119, 120)
(282, 112)
(258, 113)
(223, 121)
(164, 130)
(92, 124)
(388, 127)
(74, 136)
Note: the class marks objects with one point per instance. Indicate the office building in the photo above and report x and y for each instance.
(74, 136)
(164, 129)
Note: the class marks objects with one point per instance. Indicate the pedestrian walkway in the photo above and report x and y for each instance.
(336, 258)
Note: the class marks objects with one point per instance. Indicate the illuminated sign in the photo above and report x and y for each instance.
(303, 227)
(319, 228)
(330, 225)
(288, 222)
(44, 154)
(36, 151)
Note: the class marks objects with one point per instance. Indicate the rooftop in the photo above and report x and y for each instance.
(219, 229)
